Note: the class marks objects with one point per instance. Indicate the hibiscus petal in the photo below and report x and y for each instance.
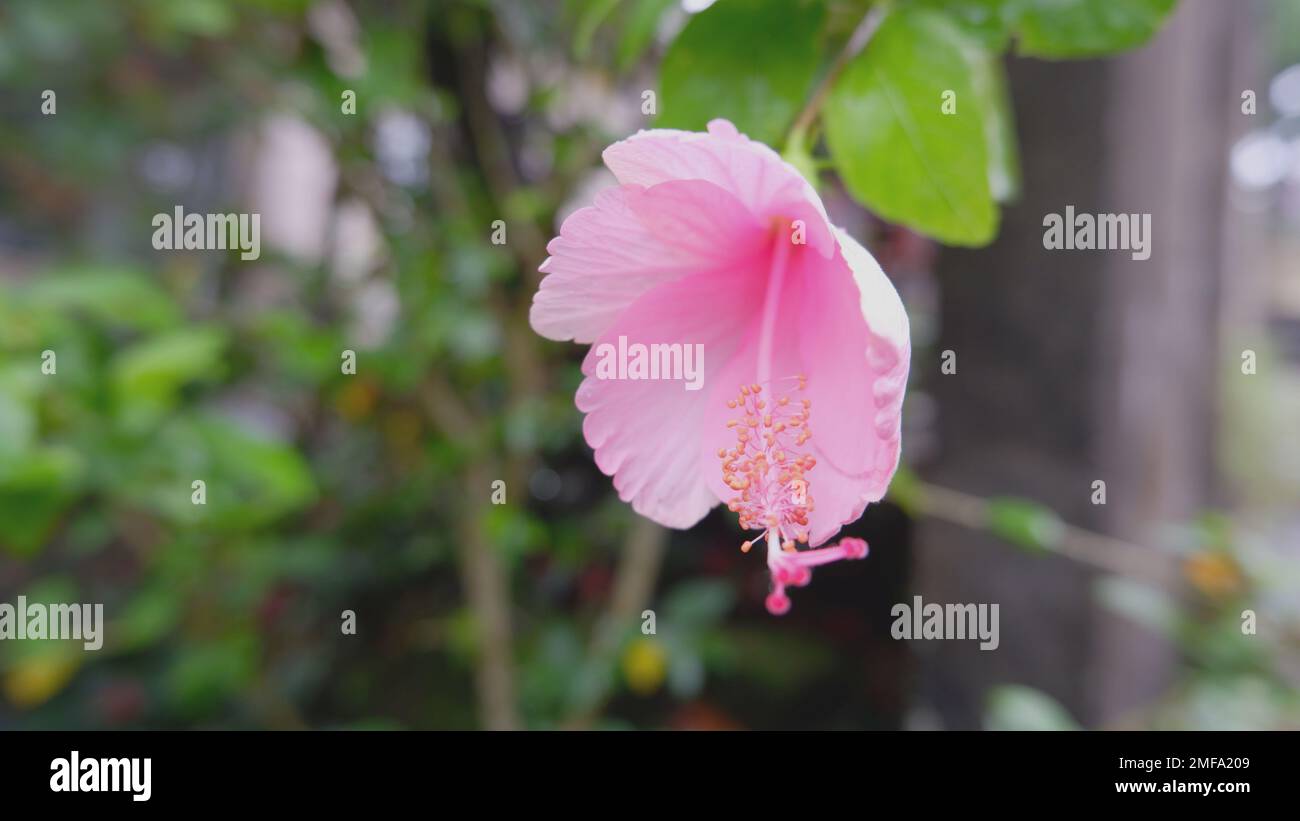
(646, 432)
(632, 239)
(756, 174)
(855, 345)
(854, 331)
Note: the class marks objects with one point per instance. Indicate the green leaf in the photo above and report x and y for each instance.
(299, 348)
(111, 296)
(990, 81)
(34, 492)
(203, 18)
(202, 676)
(1024, 523)
(148, 617)
(642, 22)
(54, 467)
(251, 480)
(514, 532)
(17, 426)
(1085, 28)
(593, 14)
(147, 376)
(983, 20)
(896, 149)
(255, 479)
(1014, 707)
(749, 61)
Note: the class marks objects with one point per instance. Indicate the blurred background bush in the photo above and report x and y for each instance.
(329, 492)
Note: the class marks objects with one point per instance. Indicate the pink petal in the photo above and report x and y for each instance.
(646, 433)
(855, 343)
(768, 185)
(854, 337)
(629, 241)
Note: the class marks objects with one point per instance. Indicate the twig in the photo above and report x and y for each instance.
(1103, 552)
(635, 579)
(857, 41)
(488, 591)
(493, 151)
(634, 586)
(486, 584)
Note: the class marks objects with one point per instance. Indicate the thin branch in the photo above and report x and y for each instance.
(1102, 552)
(634, 586)
(856, 43)
(446, 411)
(494, 155)
(485, 581)
(487, 587)
(638, 571)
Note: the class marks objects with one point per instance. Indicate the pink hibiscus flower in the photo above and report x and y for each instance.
(713, 243)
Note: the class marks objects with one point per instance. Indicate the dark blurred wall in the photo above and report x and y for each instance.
(1082, 365)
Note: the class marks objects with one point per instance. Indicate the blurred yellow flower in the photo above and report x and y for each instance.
(33, 681)
(644, 666)
(357, 399)
(1216, 574)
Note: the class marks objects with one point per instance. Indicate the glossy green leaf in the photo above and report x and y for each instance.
(750, 61)
(985, 20)
(896, 148)
(1085, 28)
